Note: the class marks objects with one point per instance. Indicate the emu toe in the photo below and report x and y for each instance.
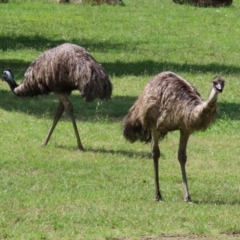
(188, 199)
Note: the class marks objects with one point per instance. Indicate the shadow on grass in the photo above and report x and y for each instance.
(228, 110)
(117, 68)
(41, 43)
(46, 106)
(145, 155)
(218, 201)
(118, 106)
(112, 111)
(147, 67)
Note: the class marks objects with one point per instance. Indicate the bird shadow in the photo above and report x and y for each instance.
(217, 201)
(131, 154)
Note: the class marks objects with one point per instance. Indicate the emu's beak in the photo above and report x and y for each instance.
(219, 87)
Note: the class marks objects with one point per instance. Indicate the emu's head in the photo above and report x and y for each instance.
(7, 76)
(218, 84)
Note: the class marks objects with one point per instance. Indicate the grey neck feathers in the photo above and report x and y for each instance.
(213, 96)
(12, 84)
(206, 106)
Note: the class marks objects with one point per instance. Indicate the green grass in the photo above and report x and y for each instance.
(107, 192)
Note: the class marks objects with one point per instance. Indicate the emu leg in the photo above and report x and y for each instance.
(58, 115)
(69, 109)
(182, 158)
(156, 155)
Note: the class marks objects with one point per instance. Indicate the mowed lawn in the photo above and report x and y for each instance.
(107, 191)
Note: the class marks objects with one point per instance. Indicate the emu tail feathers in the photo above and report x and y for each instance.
(133, 130)
(97, 85)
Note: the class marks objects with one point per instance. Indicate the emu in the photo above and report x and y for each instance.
(61, 70)
(169, 103)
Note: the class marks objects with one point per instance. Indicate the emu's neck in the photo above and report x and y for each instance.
(210, 103)
(204, 113)
(12, 84)
(213, 96)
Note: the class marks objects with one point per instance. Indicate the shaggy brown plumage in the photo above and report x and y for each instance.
(169, 103)
(61, 70)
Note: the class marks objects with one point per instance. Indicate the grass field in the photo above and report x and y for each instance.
(107, 192)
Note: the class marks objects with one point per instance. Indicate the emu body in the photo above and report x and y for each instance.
(61, 70)
(169, 103)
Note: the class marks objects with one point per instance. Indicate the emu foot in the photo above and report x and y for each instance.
(43, 144)
(158, 198)
(79, 144)
(80, 148)
(188, 199)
